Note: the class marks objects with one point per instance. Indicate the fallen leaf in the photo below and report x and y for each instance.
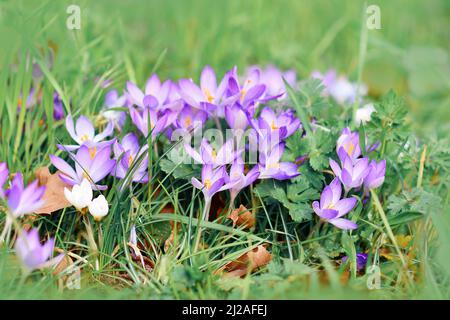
(54, 191)
(242, 217)
(248, 262)
(65, 263)
(217, 207)
(169, 241)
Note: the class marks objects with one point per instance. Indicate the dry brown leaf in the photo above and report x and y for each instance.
(169, 241)
(248, 262)
(54, 191)
(65, 263)
(242, 217)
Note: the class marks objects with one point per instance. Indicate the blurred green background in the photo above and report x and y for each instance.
(410, 53)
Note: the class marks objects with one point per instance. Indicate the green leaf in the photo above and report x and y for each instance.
(404, 217)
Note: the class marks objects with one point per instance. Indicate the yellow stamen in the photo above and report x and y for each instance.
(92, 152)
(84, 137)
(214, 155)
(243, 93)
(273, 165)
(130, 160)
(208, 184)
(187, 121)
(273, 126)
(351, 148)
(208, 95)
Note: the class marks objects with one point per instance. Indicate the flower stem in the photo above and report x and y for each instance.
(387, 226)
(205, 217)
(90, 238)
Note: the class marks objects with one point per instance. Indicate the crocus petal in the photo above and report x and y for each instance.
(346, 178)
(328, 214)
(135, 94)
(84, 127)
(62, 166)
(335, 167)
(190, 92)
(326, 197)
(194, 154)
(208, 80)
(344, 206)
(70, 127)
(153, 85)
(336, 187)
(253, 94)
(343, 224)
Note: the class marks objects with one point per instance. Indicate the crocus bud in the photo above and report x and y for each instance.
(80, 196)
(99, 208)
(375, 177)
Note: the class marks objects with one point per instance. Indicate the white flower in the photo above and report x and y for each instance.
(99, 208)
(364, 114)
(80, 196)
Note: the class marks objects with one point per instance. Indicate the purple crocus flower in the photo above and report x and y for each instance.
(271, 167)
(208, 96)
(213, 180)
(158, 121)
(190, 119)
(32, 254)
(4, 173)
(155, 95)
(375, 177)
(243, 180)
(84, 134)
(286, 123)
(113, 100)
(90, 164)
(348, 142)
(209, 155)
(24, 200)
(352, 173)
(331, 207)
(250, 92)
(58, 109)
(237, 117)
(361, 260)
(125, 153)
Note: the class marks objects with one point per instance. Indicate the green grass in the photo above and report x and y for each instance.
(128, 40)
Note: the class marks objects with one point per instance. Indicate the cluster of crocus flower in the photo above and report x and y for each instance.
(354, 172)
(237, 100)
(163, 107)
(93, 160)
